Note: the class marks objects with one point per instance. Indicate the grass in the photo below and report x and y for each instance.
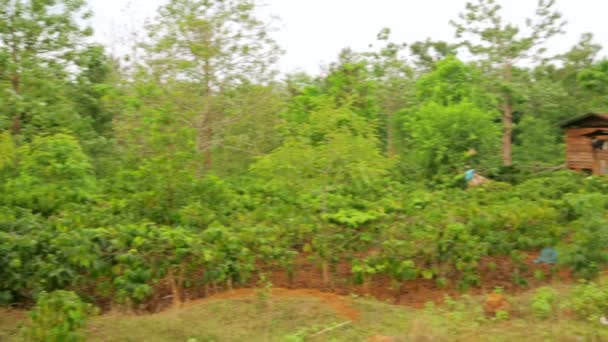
(310, 317)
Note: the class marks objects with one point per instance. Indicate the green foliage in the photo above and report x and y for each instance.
(41, 41)
(58, 316)
(53, 172)
(448, 139)
(538, 142)
(336, 151)
(589, 301)
(543, 302)
(197, 169)
(499, 45)
(502, 315)
(452, 82)
(8, 150)
(352, 218)
(349, 83)
(595, 79)
(205, 49)
(586, 251)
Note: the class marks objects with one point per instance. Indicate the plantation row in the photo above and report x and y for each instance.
(95, 247)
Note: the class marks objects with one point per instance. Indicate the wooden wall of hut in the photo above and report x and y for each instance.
(580, 154)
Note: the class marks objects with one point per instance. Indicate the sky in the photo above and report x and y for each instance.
(312, 32)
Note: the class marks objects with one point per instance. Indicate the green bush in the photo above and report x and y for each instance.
(54, 172)
(543, 302)
(58, 317)
(588, 300)
(586, 250)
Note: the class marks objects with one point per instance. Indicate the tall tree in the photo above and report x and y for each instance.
(427, 53)
(36, 36)
(500, 46)
(349, 81)
(595, 81)
(214, 44)
(395, 85)
(453, 127)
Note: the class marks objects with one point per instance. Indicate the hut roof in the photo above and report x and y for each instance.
(580, 120)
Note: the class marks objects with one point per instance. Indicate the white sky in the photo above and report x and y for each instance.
(314, 31)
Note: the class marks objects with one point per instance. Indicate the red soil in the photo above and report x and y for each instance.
(308, 280)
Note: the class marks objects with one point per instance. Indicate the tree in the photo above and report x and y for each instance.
(500, 46)
(54, 172)
(326, 167)
(453, 126)
(336, 150)
(213, 45)
(395, 86)
(252, 114)
(157, 163)
(538, 142)
(93, 83)
(594, 80)
(452, 82)
(38, 39)
(581, 56)
(428, 52)
(448, 139)
(349, 82)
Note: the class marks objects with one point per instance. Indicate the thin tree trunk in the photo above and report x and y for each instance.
(205, 132)
(176, 289)
(15, 80)
(365, 285)
(507, 119)
(16, 127)
(229, 284)
(390, 145)
(325, 270)
(507, 143)
(208, 138)
(204, 140)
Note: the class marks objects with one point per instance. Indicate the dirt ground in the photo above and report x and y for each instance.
(495, 272)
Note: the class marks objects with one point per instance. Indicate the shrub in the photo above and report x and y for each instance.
(58, 317)
(589, 301)
(543, 302)
(586, 250)
(54, 172)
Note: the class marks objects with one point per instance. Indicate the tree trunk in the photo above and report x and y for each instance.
(229, 284)
(15, 80)
(176, 289)
(507, 119)
(205, 132)
(390, 145)
(365, 285)
(507, 143)
(204, 141)
(325, 270)
(208, 137)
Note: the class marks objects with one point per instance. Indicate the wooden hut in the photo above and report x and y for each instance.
(587, 143)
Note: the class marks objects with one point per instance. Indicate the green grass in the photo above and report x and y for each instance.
(300, 317)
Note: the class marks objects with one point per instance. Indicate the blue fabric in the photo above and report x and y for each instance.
(547, 256)
(468, 176)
